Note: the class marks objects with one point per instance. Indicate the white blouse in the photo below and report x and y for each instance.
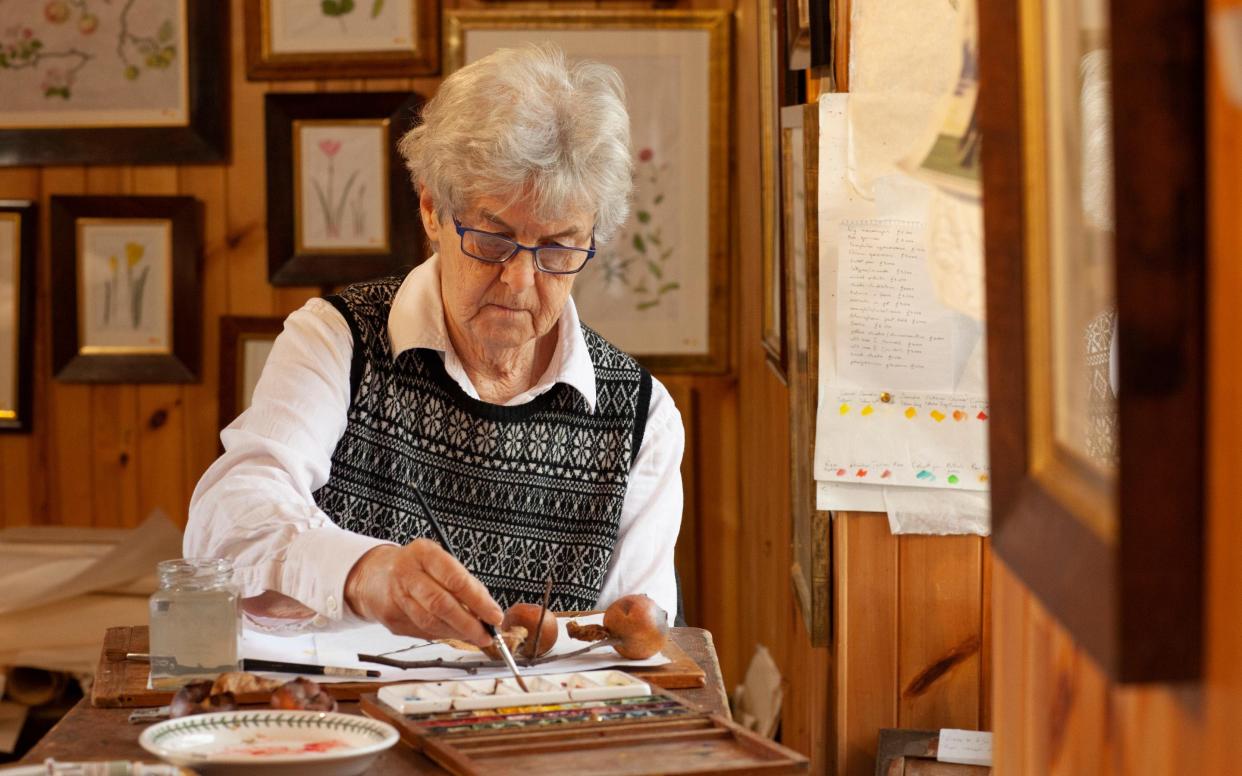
(254, 504)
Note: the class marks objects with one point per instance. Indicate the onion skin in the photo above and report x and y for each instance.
(638, 624)
(197, 698)
(527, 616)
(513, 640)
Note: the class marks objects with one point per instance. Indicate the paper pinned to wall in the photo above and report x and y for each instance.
(894, 334)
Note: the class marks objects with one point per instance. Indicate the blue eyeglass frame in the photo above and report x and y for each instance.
(518, 247)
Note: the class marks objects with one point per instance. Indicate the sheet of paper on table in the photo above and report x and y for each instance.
(341, 648)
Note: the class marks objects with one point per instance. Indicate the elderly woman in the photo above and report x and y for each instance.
(542, 449)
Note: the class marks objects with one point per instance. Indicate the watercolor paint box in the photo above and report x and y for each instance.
(659, 732)
(471, 694)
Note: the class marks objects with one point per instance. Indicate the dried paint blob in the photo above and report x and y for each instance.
(953, 480)
(911, 412)
(925, 475)
(845, 409)
(937, 415)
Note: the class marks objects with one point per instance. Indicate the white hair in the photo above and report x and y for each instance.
(522, 123)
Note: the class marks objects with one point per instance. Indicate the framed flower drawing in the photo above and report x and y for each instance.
(303, 39)
(17, 257)
(125, 276)
(139, 82)
(340, 204)
(660, 288)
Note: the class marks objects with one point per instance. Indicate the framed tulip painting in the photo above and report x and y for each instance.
(135, 82)
(125, 274)
(340, 204)
(17, 258)
(660, 288)
(302, 39)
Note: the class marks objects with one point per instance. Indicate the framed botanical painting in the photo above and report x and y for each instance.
(139, 82)
(660, 289)
(340, 205)
(18, 228)
(811, 528)
(125, 285)
(245, 343)
(303, 39)
(1095, 253)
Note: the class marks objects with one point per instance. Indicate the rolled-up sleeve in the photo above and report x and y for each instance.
(254, 505)
(642, 559)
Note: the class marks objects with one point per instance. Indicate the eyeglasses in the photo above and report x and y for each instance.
(497, 249)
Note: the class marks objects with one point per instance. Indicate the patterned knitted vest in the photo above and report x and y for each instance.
(523, 492)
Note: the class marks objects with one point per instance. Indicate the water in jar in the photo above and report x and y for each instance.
(195, 622)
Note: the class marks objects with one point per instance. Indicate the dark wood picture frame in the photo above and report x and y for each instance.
(1134, 600)
(773, 268)
(811, 569)
(181, 363)
(286, 265)
(18, 418)
(264, 65)
(204, 139)
(235, 331)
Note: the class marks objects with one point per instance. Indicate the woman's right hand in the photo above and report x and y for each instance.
(421, 590)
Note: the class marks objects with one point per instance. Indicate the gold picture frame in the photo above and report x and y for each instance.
(403, 54)
(683, 50)
(18, 230)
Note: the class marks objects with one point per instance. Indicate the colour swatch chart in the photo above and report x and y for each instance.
(920, 439)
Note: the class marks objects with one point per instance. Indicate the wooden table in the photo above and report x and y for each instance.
(88, 733)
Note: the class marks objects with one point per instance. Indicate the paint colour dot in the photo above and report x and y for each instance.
(845, 409)
(840, 472)
(983, 478)
(867, 410)
(911, 412)
(958, 415)
(924, 475)
(886, 474)
(982, 415)
(937, 415)
(861, 473)
(953, 480)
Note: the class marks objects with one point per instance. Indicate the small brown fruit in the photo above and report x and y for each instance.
(527, 616)
(639, 625)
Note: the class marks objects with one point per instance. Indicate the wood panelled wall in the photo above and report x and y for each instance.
(1056, 713)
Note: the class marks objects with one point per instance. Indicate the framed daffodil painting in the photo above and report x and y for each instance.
(125, 274)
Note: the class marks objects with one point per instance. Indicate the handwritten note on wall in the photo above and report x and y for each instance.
(897, 336)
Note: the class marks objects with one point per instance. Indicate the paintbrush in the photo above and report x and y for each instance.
(491, 629)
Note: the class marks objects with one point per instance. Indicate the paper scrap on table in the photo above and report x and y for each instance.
(968, 747)
(341, 648)
(893, 333)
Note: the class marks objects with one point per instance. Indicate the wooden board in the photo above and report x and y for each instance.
(682, 740)
(123, 683)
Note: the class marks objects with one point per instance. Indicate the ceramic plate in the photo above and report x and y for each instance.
(270, 742)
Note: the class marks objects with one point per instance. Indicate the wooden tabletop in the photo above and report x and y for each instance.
(88, 733)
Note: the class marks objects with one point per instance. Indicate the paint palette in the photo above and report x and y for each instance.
(471, 694)
(611, 734)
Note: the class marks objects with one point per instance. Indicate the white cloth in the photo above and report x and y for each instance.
(254, 505)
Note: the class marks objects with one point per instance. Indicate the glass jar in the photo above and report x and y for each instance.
(195, 619)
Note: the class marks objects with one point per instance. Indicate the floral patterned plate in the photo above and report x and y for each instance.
(270, 742)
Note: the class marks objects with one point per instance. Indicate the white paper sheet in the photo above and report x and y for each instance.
(893, 332)
(341, 648)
